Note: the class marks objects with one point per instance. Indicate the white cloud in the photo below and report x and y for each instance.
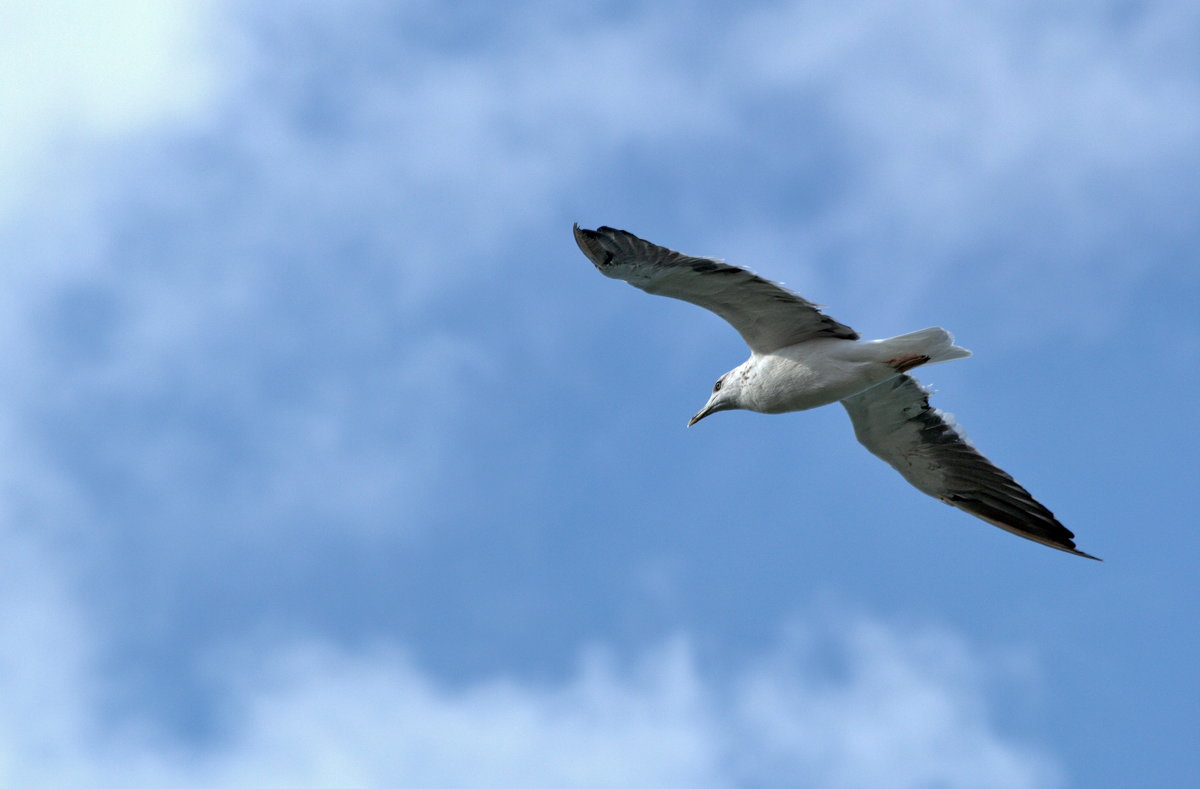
(951, 120)
(851, 703)
(911, 713)
(1026, 149)
(76, 71)
(43, 662)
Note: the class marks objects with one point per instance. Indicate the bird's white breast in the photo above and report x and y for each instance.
(809, 374)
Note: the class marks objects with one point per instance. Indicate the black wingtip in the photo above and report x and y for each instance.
(1036, 524)
(598, 245)
(602, 231)
(1066, 546)
(586, 239)
(1058, 543)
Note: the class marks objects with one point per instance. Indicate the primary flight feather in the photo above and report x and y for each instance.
(801, 358)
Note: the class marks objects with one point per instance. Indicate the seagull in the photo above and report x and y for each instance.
(801, 358)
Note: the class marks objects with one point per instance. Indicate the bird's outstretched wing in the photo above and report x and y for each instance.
(894, 420)
(768, 316)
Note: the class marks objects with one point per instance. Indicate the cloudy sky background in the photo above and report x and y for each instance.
(329, 461)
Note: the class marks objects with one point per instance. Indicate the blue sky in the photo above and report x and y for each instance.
(329, 461)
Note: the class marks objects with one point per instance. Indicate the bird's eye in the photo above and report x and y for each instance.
(717, 385)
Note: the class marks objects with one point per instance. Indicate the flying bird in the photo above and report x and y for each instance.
(801, 358)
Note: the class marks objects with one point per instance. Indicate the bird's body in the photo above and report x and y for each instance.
(801, 358)
(826, 370)
(806, 375)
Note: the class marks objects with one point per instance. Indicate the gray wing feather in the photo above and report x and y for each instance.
(767, 315)
(896, 423)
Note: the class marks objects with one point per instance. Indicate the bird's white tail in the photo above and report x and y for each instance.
(934, 342)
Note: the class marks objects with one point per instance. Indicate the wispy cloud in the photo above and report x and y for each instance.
(985, 144)
(836, 706)
(80, 72)
(911, 712)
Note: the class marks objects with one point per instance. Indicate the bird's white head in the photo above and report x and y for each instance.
(726, 394)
